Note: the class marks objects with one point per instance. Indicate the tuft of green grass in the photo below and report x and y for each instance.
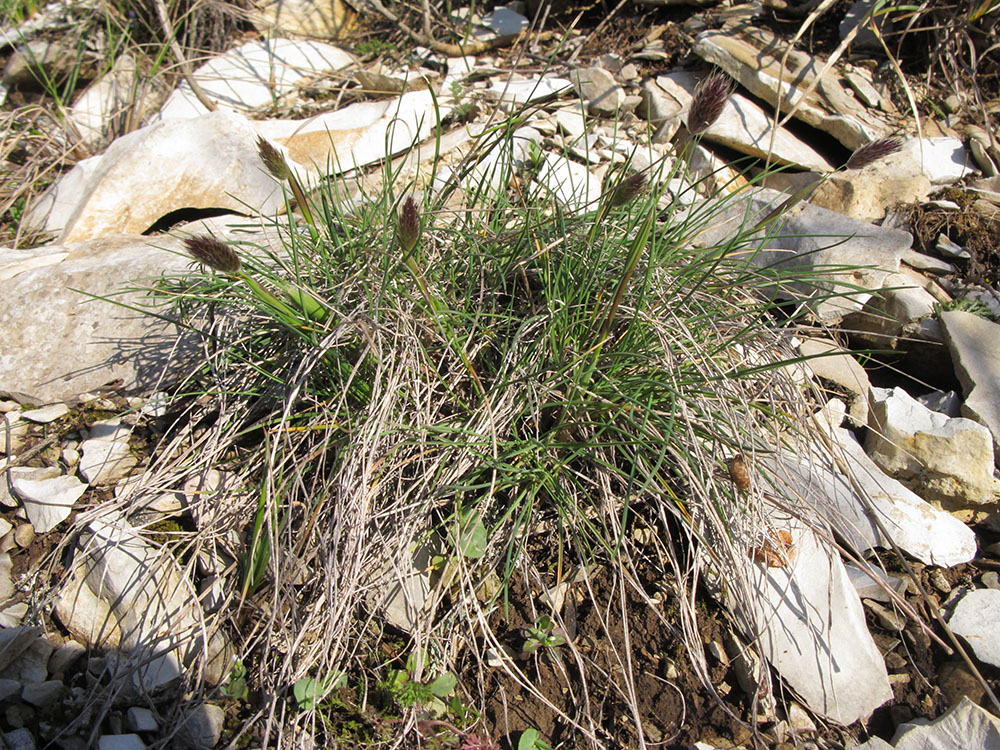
(506, 387)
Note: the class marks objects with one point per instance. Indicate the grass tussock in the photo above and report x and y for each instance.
(419, 407)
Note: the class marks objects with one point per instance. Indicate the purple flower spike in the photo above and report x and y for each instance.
(628, 189)
(710, 97)
(213, 253)
(408, 226)
(872, 152)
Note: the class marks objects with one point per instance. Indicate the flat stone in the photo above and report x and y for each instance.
(812, 238)
(46, 414)
(18, 739)
(753, 56)
(48, 502)
(809, 624)
(939, 457)
(971, 341)
(31, 65)
(977, 619)
(13, 616)
(520, 92)
(120, 742)
(928, 264)
(14, 641)
(928, 534)
(6, 584)
(569, 183)
(313, 19)
(105, 455)
(201, 727)
(43, 694)
(830, 362)
(209, 161)
(943, 160)
(745, 127)
(31, 664)
(254, 74)
(9, 688)
(124, 89)
(895, 312)
(865, 194)
(865, 583)
(505, 22)
(571, 120)
(359, 134)
(141, 720)
(65, 656)
(599, 89)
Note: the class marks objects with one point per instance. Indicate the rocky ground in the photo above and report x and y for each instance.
(849, 653)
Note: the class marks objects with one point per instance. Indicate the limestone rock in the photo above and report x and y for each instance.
(753, 56)
(971, 340)
(895, 312)
(6, 584)
(520, 92)
(358, 134)
(864, 194)
(928, 534)
(744, 126)
(598, 88)
(156, 612)
(46, 414)
(812, 238)
(120, 742)
(43, 694)
(312, 19)
(209, 161)
(124, 93)
(938, 457)
(106, 456)
(809, 624)
(141, 720)
(569, 183)
(18, 739)
(254, 74)
(943, 160)
(48, 502)
(977, 619)
(830, 362)
(202, 726)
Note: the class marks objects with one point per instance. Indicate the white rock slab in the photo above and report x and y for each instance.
(928, 534)
(943, 160)
(46, 414)
(254, 74)
(358, 134)
(753, 56)
(155, 607)
(48, 502)
(939, 457)
(570, 183)
(972, 343)
(520, 92)
(505, 22)
(203, 162)
(812, 630)
(123, 90)
(977, 619)
(141, 720)
(830, 362)
(872, 583)
(6, 583)
(812, 239)
(965, 725)
(120, 742)
(745, 127)
(106, 456)
(598, 88)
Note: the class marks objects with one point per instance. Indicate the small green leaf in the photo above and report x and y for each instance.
(470, 535)
(443, 685)
(309, 691)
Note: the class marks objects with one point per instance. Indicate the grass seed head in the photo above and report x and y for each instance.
(273, 160)
(213, 253)
(628, 189)
(872, 152)
(408, 225)
(710, 97)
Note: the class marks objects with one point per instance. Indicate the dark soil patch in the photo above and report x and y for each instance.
(972, 227)
(673, 706)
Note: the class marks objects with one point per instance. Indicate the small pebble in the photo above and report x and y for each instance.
(939, 582)
(24, 535)
(991, 580)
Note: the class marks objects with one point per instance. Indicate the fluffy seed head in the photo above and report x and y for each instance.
(872, 152)
(628, 189)
(273, 160)
(213, 253)
(408, 225)
(710, 97)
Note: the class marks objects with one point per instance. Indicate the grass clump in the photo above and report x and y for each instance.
(426, 405)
